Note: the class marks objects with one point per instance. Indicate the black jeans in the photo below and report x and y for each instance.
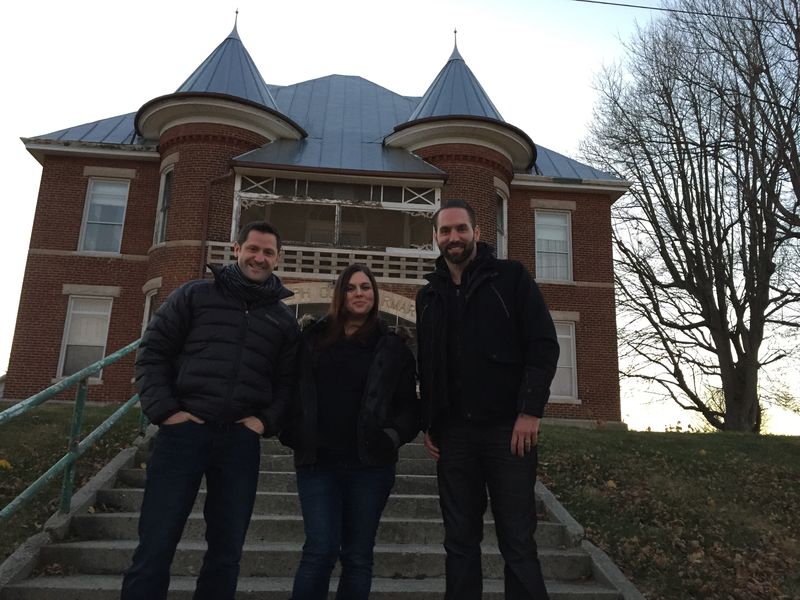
(476, 457)
(229, 456)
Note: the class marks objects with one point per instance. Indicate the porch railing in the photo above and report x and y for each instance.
(76, 447)
(396, 266)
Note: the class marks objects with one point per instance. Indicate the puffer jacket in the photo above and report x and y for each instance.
(509, 348)
(389, 402)
(207, 351)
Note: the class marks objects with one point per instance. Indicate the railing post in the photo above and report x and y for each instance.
(143, 420)
(74, 434)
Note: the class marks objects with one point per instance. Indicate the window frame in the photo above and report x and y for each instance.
(502, 238)
(573, 399)
(570, 278)
(87, 204)
(98, 377)
(162, 215)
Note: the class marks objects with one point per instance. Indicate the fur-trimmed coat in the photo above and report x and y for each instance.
(390, 410)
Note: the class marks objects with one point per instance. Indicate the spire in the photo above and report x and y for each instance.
(230, 70)
(455, 55)
(234, 35)
(455, 92)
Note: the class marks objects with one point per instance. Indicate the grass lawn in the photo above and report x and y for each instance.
(31, 444)
(685, 515)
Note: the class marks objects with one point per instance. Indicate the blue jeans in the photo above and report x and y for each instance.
(477, 457)
(229, 456)
(342, 506)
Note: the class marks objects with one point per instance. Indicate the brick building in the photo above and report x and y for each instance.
(132, 206)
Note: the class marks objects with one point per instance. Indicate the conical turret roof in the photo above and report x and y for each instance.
(230, 70)
(456, 92)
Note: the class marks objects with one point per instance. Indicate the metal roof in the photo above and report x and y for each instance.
(455, 91)
(230, 70)
(113, 130)
(346, 117)
(550, 163)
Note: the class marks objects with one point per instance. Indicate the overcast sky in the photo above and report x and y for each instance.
(67, 63)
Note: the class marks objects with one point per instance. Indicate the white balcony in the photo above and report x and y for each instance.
(394, 266)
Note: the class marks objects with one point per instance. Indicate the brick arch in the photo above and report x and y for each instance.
(319, 292)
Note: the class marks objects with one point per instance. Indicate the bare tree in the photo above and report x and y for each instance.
(704, 119)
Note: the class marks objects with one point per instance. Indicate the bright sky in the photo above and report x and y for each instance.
(67, 63)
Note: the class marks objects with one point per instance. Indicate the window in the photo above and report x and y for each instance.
(553, 246)
(85, 333)
(344, 225)
(106, 200)
(149, 308)
(502, 239)
(565, 384)
(164, 201)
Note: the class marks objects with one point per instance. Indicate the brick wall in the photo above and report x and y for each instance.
(201, 210)
(470, 176)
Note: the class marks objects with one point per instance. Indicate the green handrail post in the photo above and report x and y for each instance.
(143, 421)
(74, 435)
(66, 464)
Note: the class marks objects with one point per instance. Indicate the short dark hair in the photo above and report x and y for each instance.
(456, 204)
(260, 226)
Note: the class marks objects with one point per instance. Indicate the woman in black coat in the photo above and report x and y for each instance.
(356, 405)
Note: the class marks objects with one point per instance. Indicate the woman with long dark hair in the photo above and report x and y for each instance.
(356, 405)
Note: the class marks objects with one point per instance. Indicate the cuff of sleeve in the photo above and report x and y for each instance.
(532, 402)
(394, 436)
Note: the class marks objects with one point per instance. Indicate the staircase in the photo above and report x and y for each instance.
(88, 563)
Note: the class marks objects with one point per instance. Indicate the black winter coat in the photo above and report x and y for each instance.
(208, 352)
(509, 348)
(390, 408)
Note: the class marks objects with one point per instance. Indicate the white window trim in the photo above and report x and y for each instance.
(67, 324)
(160, 203)
(502, 247)
(569, 399)
(570, 275)
(148, 302)
(87, 202)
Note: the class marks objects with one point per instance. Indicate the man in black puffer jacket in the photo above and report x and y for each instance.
(214, 371)
(487, 355)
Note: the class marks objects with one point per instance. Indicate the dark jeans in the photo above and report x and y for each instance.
(475, 457)
(342, 506)
(228, 456)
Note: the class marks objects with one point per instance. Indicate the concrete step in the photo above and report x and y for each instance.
(405, 466)
(273, 447)
(288, 528)
(101, 587)
(285, 481)
(280, 559)
(276, 503)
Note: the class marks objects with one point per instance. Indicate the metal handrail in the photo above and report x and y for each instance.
(75, 447)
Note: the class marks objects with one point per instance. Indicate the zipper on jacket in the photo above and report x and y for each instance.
(499, 297)
(238, 363)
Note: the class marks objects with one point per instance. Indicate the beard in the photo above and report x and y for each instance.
(467, 251)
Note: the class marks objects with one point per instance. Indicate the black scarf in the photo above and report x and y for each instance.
(247, 290)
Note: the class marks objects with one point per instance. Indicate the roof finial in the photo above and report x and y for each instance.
(234, 33)
(455, 55)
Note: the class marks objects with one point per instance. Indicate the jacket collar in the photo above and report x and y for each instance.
(484, 262)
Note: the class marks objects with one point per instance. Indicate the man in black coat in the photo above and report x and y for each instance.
(488, 352)
(214, 371)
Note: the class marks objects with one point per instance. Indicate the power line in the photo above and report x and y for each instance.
(678, 10)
